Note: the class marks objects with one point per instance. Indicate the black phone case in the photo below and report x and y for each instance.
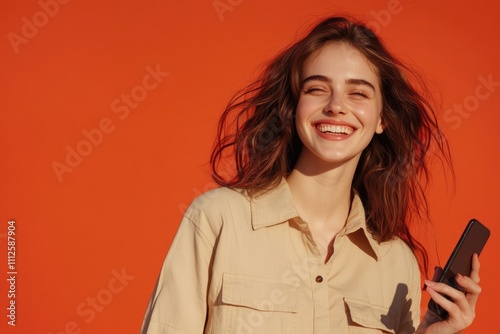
(472, 241)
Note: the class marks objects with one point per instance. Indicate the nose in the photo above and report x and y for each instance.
(334, 105)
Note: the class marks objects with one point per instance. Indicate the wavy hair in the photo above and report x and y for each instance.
(257, 130)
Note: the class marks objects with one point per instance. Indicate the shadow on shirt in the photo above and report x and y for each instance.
(395, 311)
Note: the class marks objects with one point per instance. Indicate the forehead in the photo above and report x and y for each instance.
(340, 59)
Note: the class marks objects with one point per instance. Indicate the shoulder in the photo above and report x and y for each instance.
(397, 248)
(398, 254)
(211, 209)
(217, 200)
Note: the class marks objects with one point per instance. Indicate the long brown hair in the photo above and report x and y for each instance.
(257, 129)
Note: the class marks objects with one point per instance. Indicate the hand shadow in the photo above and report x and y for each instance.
(400, 305)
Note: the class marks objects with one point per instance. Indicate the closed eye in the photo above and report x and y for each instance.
(315, 90)
(359, 94)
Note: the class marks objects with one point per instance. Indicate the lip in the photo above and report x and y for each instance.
(331, 136)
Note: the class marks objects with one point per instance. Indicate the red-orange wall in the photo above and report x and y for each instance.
(116, 211)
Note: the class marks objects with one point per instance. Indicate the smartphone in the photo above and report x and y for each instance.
(472, 241)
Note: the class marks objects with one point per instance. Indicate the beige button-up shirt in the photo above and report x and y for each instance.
(241, 265)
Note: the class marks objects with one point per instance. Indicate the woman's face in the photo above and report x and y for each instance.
(340, 103)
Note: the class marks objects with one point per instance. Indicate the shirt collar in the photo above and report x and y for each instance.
(273, 207)
(276, 207)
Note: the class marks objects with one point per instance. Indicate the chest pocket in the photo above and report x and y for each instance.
(255, 305)
(364, 318)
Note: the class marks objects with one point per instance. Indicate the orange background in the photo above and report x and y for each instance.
(119, 207)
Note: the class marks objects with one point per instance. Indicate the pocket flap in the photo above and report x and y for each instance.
(371, 316)
(259, 293)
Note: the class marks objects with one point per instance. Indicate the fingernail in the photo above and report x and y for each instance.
(460, 276)
(429, 283)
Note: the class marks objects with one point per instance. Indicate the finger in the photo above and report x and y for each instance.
(442, 301)
(460, 305)
(474, 274)
(445, 289)
(471, 288)
(436, 276)
(459, 310)
(468, 284)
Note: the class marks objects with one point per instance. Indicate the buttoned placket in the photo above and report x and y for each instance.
(319, 273)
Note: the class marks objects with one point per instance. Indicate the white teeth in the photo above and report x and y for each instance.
(335, 129)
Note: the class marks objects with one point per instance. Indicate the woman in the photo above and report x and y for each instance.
(310, 232)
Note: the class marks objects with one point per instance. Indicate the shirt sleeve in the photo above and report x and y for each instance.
(178, 304)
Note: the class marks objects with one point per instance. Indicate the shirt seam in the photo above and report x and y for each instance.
(200, 230)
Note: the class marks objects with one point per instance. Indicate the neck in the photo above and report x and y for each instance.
(322, 191)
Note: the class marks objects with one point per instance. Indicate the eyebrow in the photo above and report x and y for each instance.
(328, 80)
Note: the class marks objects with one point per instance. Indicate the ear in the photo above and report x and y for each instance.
(380, 126)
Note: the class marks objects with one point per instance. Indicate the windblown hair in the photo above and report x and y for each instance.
(258, 130)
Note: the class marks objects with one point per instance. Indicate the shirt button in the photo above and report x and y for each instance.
(319, 279)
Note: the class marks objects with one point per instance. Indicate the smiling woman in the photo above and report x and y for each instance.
(339, 107)
(310, 231)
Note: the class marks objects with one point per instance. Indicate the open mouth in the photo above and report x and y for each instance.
(334, 129)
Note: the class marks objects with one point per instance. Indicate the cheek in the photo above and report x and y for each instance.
(299, 124)
(301, 121)
(300, 114)
(307, 106)
(369, 115)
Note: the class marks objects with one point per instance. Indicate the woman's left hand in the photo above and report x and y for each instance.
(461, 310)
